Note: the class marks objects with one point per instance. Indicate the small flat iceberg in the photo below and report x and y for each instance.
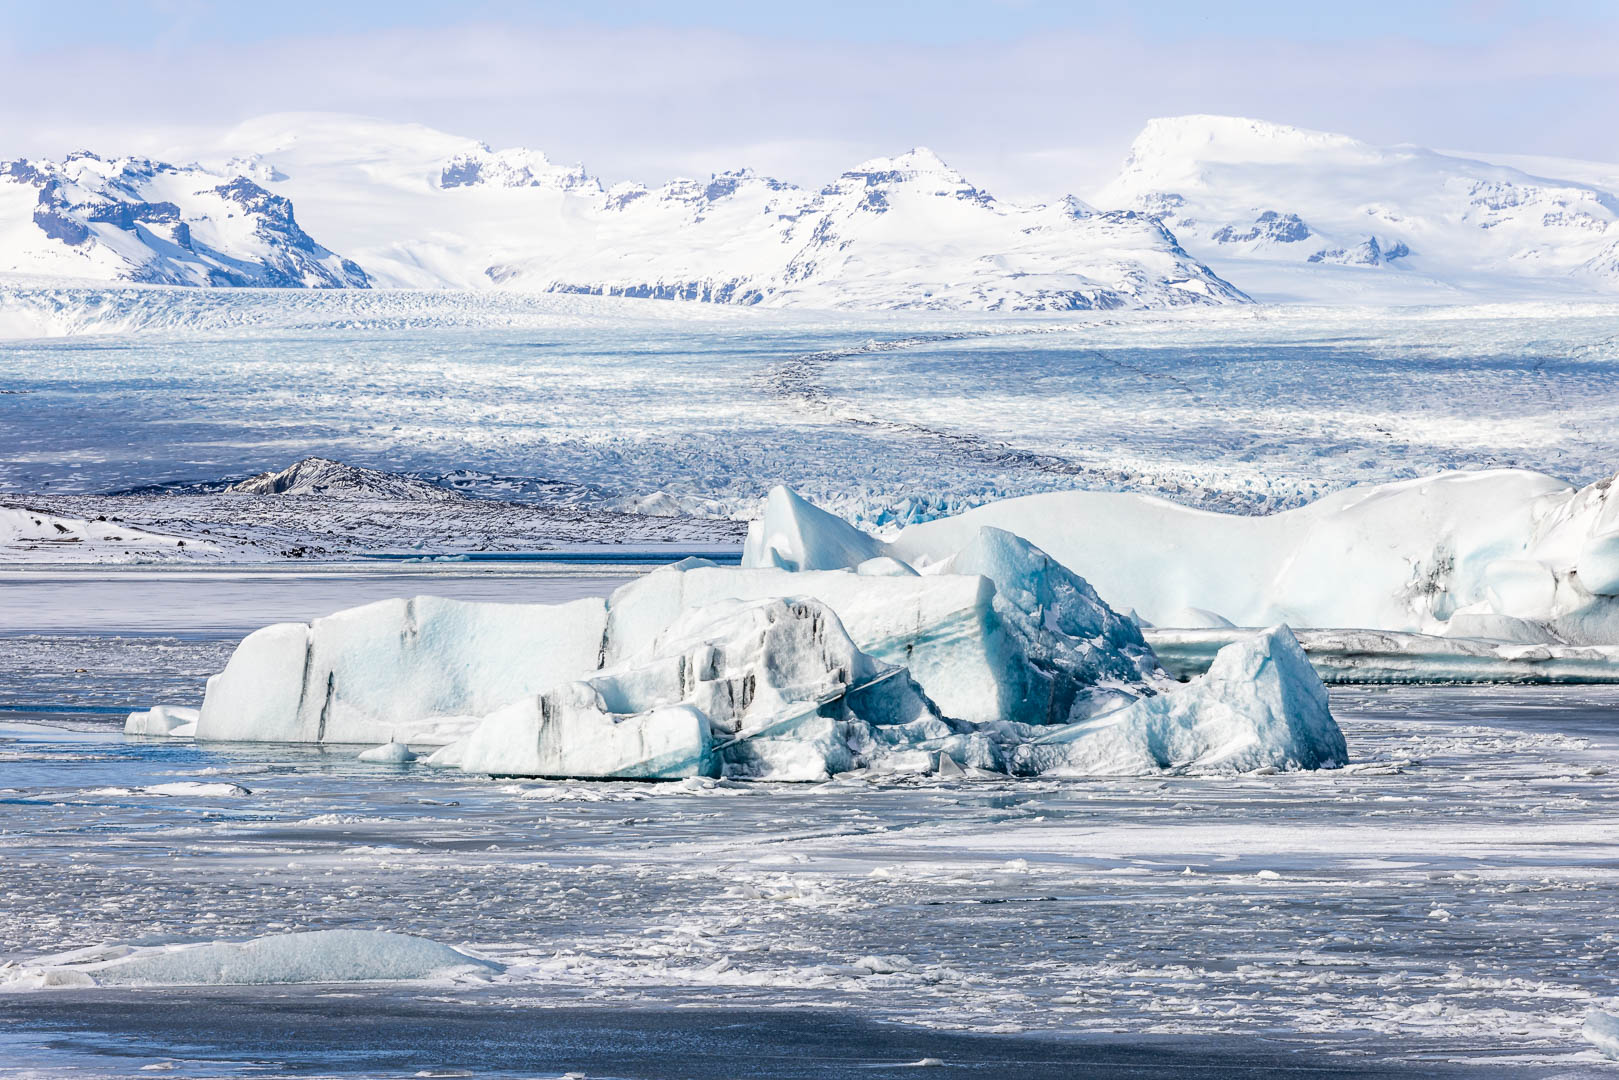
(317, 956)
(172, 720)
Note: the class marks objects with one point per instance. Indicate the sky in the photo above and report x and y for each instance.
(1031, 98)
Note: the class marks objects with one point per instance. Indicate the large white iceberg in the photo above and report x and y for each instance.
(1505, 554)
(780, 671)
(397, 669)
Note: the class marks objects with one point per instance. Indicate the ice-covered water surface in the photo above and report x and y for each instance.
(1449, 898)
(905, 413)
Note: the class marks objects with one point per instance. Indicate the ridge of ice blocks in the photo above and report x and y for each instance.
(778, 673)
(318, 956)
(1261, 705)
(1504, 554)
(999, 632)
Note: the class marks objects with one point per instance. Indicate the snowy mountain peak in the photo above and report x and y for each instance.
(909, 165)
(419, 208)
(1237, 138)
(1299, 214)
(134, 219)
(512, 168)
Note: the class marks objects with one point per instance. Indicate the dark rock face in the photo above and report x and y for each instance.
(722, 292)
(1270, 225)
(461, 172)
(59, 226)
(623, 198)
(1366, 253)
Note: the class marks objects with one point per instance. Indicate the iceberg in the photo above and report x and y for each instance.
(1261, 706)
(992, 658)
(389, 753)
(172, 720)
(318, 956)
(1507, 553)
(396, 669)
(795, 534)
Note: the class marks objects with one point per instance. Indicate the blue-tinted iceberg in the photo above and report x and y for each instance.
(1261, 705)
(994, 657)
(397, 669)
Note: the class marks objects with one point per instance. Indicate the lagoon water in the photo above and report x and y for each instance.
(1448, 905)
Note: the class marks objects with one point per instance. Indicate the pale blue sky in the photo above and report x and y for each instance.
(38, 25)
(1031, 96)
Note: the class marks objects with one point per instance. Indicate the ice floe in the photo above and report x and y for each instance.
(175, 720)
(318, 956)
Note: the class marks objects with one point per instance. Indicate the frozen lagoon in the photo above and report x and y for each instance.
(1448, 904)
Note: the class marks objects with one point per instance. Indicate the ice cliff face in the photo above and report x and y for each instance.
(1296, 214)
(131, 219)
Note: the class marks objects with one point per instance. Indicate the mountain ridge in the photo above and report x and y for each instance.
(1206, 209)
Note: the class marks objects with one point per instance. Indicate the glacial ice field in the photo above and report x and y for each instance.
(1448, 905)
(884, 418)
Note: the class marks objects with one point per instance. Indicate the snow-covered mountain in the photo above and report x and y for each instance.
(418, 208)
(130, 219)
(1287, 213)
(1207, 210)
